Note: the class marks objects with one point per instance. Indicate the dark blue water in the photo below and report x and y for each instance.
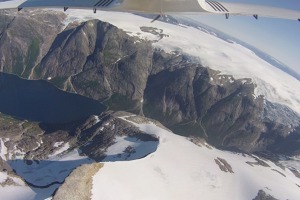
(38, 100)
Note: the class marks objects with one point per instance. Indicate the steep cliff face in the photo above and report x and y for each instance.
(25, 38)
(39, 156)
(100, 61)
(196, 100)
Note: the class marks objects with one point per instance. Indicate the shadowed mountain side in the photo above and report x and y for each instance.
(45, 176)
(289, 144)
(40, 101)
(131, 148)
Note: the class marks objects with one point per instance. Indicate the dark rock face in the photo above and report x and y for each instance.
(100, 61)
(36, 148)
(25, 38)
(36, 141)
(93, 138)
(194, 100)
(29, 138)
(261, 195)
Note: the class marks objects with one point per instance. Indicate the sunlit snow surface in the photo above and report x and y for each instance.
(14, 192)
(179, 169)
(211, 51)
(3, 150)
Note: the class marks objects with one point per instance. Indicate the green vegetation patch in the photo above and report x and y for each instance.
(7, 120)
(59, 81)
(109, 57)
(89, 84)
(32, 54)
(154, 112)
(119, 102)
(18, 66)
(188, 129)
(32, 127)
(37, 73)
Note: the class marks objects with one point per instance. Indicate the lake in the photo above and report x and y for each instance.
(39, 100)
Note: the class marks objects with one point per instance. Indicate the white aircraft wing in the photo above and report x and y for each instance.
(141, 6)
(253, 9)
(160, 7)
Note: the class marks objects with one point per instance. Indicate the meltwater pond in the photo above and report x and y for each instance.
(38, 100)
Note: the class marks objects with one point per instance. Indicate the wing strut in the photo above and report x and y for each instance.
(161, 13)
(226, 15)
(156, 18)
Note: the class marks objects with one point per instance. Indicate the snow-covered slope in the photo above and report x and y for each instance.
(180, 169)
(228, 57)
(12, 188)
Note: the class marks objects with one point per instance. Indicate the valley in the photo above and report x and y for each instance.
(139, 108)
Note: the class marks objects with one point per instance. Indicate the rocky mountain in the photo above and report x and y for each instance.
(25, 38)
(97, 60)
(40, 156)
(203, 172)
(92, 136)
(41, 161)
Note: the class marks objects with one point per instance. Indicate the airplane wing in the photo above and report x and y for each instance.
(161, 7)
(253, 9)
(140, 6)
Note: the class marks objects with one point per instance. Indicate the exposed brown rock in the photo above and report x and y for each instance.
(79, 183)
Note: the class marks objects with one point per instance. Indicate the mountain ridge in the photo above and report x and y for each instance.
(100, 61)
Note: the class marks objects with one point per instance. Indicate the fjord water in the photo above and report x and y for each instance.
(38, 100)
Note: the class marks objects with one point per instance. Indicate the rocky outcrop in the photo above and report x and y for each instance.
(33, 141)
(50, 150)
(98, 60)
(261, 195)
(27, 140)
(78, 184)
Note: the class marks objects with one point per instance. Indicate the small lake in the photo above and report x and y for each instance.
(39, 100)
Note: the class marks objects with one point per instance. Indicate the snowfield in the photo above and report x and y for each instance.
(3, 150)
(228, 57)
(129, 148)
(16, 191)
(180, 169)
